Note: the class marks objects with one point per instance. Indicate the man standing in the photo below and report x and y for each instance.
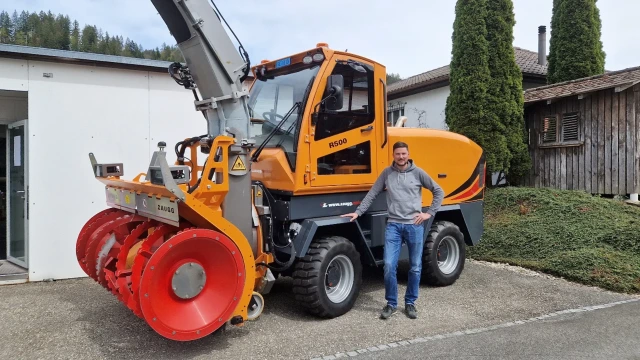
(405, 222)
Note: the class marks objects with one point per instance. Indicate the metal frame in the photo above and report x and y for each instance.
(25, 160)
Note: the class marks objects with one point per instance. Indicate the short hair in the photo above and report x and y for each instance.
(400, 144)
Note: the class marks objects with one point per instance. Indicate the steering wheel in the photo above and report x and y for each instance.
(272, 116)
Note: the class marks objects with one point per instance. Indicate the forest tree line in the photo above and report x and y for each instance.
(47, 30)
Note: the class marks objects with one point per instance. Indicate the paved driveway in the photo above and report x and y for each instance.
(76, 319)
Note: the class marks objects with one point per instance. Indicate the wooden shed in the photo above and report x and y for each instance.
(584, 134)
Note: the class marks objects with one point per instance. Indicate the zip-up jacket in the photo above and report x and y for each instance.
(404, 193)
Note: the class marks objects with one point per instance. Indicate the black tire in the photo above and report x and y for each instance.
(310, 276)
(432, 273)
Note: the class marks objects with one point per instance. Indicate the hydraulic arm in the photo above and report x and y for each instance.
(213, 63)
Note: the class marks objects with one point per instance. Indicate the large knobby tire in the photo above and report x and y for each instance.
(443, 255)
(327, 280)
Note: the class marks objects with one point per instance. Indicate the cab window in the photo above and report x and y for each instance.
(357, 107)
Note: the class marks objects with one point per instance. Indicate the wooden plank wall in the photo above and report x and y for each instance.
(608, 159)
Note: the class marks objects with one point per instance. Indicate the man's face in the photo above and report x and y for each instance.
(400, 156)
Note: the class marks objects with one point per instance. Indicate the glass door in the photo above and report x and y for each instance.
(17, 191)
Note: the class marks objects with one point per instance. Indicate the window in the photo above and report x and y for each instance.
(272, 98)
(561, 129)
(352, 160)
(394, 111)
(570, 127)
(358, 104)
(549, 129)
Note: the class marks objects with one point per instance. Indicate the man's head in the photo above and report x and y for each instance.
(400, 153)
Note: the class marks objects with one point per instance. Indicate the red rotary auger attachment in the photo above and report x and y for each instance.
(107, 236)
(121, 279)
(149, 245)
(89, 227)
(191, 284)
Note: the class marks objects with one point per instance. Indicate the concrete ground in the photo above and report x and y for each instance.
(611, 332)
(76, 319)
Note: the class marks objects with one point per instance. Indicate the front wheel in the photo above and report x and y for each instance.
(327, 280)
(444, 254)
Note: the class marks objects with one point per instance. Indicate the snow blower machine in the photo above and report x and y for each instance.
(192, 244)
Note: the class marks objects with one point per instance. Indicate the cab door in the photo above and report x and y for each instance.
(342, 142)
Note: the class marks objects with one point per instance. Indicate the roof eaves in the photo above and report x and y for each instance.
(28, 52)
(529, 94)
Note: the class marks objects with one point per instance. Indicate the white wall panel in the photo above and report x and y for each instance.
(172, 115)
(14, 75)
(80, 109)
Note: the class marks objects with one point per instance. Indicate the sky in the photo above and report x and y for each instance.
(407, 36)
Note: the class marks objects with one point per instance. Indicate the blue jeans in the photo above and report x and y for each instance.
(395, 235)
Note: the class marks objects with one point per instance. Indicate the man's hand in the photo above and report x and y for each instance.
(353, 216)
(420, 218)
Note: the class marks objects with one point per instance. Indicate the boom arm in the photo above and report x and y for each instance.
(214, 63)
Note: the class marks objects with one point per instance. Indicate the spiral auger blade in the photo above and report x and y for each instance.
(192, 284)
(106, 237)
(148, 246)
(121, 279)
(89, 227)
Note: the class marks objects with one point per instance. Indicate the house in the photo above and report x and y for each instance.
(422, 98)
(584, 134)
(55, 108)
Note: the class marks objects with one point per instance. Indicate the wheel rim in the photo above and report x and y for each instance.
(448, 255)
(339, 278)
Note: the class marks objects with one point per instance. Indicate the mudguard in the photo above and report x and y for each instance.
(332, 225)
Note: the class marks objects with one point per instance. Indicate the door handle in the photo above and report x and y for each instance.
(368, 128)
(19, 191)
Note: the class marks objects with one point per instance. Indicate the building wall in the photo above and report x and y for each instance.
(119, 115)
(606, 158)
(433, 103)
(13, 106)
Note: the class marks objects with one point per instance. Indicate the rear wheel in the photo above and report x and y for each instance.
(444, 254)
(327, 280)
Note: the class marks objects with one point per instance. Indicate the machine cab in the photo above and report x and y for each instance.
(333, 136)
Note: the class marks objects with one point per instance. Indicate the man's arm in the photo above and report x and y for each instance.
(377, 187)
(436, 190)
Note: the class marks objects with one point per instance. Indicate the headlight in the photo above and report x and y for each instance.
(307, 60)
(318, 57)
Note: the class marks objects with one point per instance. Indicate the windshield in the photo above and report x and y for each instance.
(272, 98)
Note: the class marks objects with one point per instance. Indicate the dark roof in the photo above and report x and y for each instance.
(622, 78)
(29, 52)
(526, 60)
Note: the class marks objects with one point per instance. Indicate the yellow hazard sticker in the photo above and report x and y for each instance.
(238, 164)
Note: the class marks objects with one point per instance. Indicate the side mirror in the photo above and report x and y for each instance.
(334, 92)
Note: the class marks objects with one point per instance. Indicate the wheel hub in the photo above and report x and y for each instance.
(339, 278)
(333, 276)
(448, 255)
(188, 280)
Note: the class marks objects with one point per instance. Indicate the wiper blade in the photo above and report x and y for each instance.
(273, 132)
(306, 96)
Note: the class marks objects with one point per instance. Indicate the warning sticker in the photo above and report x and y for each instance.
(238, 164)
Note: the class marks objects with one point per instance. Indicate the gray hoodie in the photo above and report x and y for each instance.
(404, 193)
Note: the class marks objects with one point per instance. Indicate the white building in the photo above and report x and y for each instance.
(422, 98)
(55, 108)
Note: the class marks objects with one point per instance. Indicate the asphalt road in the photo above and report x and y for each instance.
(78, 319)
(609, 333)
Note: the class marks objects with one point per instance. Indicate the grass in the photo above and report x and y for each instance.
(582, 238)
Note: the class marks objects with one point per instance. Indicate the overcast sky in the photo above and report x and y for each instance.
(408, 36)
